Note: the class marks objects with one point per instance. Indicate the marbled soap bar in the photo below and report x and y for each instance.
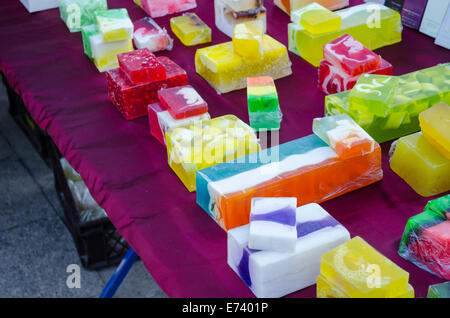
(190, 29)
(114, 24)
(435, 125)
(182, 101)
(291, 5)
(275, 274)
(248, 39)
(148, 34)
(160, 8)
(79, 13)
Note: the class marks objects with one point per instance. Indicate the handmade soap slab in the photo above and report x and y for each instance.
(141, 66)
(205, 144)
(160, 8)
(421, 165)
(426, 239)
(291, 5)
(79, 13)
(358, 270)
(160, 121)
(439, 290)
(435, 125)
(300, 168)
(275, 274)
(39, 5)
(132, 99)
(273, 224)
(228, 13)
(190, 29)
(359, 22)
(316, 19)
(227, 71)
(148, 34)
(114, 24)
(248, 38)
(182, 101)
(416, 92)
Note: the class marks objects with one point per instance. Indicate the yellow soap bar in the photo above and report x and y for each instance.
(248, 38)
(421, 165)
(435, 125)
(190, 29)
(357, 270)
(317, 19)
(114, 25)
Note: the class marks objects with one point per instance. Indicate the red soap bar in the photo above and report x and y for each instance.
(182, 102)
(333, 80)
(155, 127)
(132, 99)
(351, 56)
(141, 66)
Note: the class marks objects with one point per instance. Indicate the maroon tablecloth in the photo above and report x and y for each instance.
(126, 168)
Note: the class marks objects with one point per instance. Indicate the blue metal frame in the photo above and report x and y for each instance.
(121, 272)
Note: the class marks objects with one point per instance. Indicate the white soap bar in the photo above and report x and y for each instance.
(443, 37)
(433, 16)
(39, 5)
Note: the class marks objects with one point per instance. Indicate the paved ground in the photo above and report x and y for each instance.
(35, 246)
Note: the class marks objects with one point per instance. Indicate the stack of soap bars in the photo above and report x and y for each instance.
(79, 13)
(314, 26)
(279, 251)
(252, 53)
(160, 8)
(190, 29)
(340, 157)
(423, 159)
(177, 107)
(148, 34)
(426, 240)
(135, 84)
(111, 35)
(289, 6)
(207, 143)
(389, 109)
(228, 13)
(439, 290)
(263, 107)
(356, 270)
(345, 60)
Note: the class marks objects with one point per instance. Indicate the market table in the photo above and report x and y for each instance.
(126, 169)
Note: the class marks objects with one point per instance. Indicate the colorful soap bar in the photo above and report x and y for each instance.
(248, 38)
(273, 224)
(161, 121)
(114, 24)
(227, 71)
(305, 168)
(289, 6)
(148, 34)
(316, 19)
(421, 165)
(190, 29)
(132, 99)
(355, 269)
(79, 13)
(435, 125)
(205, 144)
(141, 66)
(426, 240)
(275, 274)
(358, 21)
(160, 8)
(182, 101)
(263, 107)
(439, 290)
(415, 93)
(39, 5)
(228, 13)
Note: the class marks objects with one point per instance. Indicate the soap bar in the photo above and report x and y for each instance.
(289, 6)
(248, 38)
(416, 92)
(160, 8)
(426, 239)
(358, 21)
(357, 270)
(439, 290)
(39, 5)
(161, 121)
(275, 274)
(316, 19)
(227, 71)
(141, 66)
(435, 125)
(228, 13)
(305, 168)
(114, 24)
(148, 34)
(190, 29)
(423, 167)
(182, 101)
(79, 13)
(132, 99)
(273, 224)
(206, 144)
(342, 134)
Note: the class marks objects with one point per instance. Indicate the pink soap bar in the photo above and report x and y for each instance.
(333, 80)
(155, 127)
(141, 66)
(182, 101)
(160, 8)
(351, 56)
(148, 34)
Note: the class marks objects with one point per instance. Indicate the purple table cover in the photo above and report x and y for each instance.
(126, 168)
